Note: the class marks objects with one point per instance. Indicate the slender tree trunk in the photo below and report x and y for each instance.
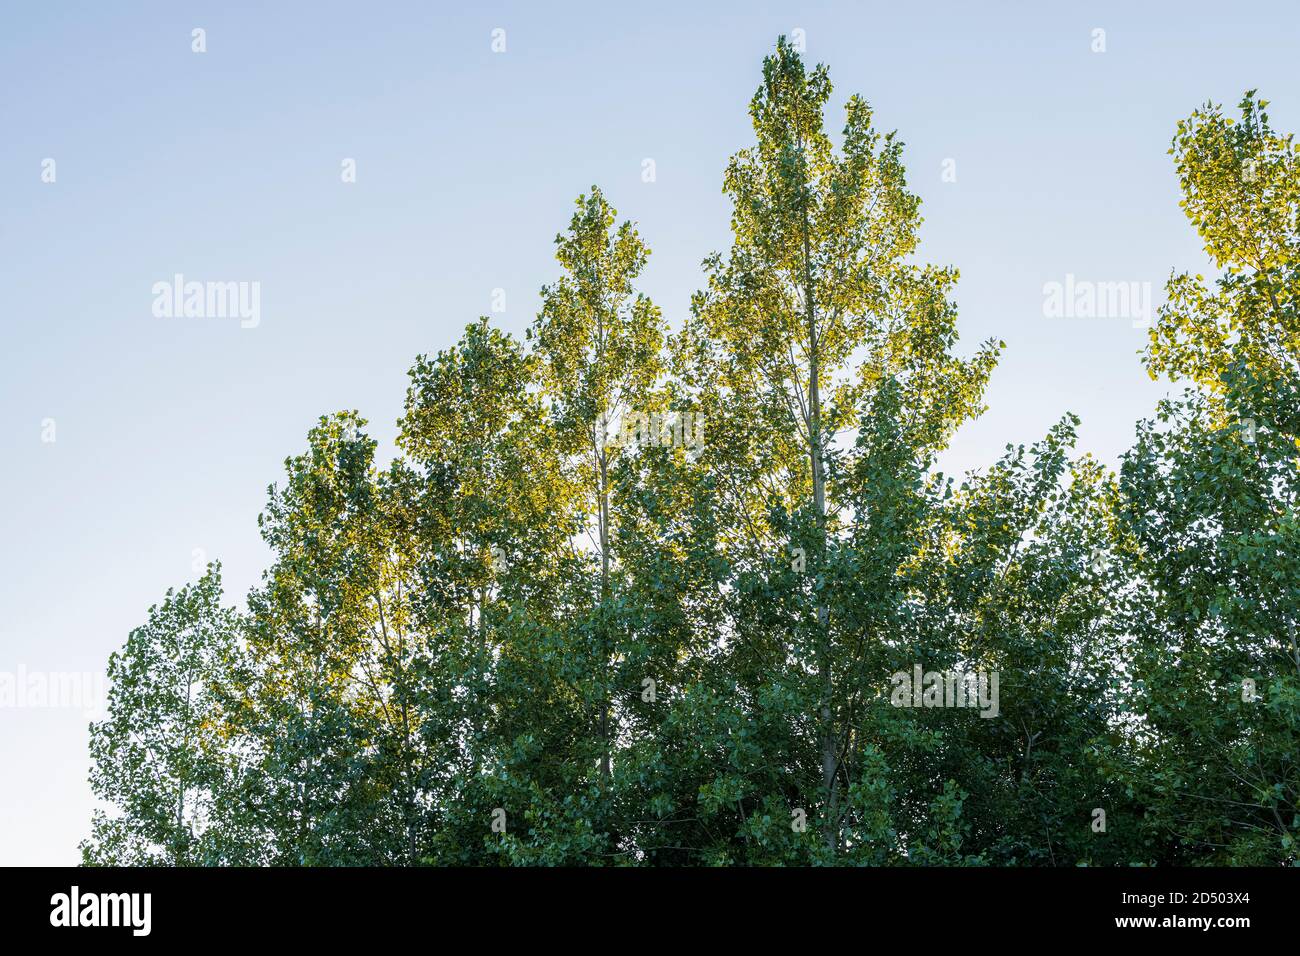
(603, 517)
(410, 828)
(829, 743)
(178, 839)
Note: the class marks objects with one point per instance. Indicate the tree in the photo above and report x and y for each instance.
(817, 280)
(1241, 191)
(325, 647)
(553, 631)
(600, 344)
(160, 756)
(491, 516)
(1208, 516)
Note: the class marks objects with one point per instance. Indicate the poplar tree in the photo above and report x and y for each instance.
(600, 344)
(158, 756)
(315, 704)
(527, 640)
(492, 520)
(815, 314)
(1209, 527)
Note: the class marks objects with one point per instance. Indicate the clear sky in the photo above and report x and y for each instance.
(226, 165)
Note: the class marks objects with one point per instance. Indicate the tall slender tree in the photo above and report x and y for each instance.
(492, 518)
(818, 280)
(158, 756)
(1208, 520)
(600, 344)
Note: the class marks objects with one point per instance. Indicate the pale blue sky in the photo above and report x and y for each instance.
(226, 166)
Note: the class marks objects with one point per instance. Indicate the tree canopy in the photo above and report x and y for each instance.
(635, 596)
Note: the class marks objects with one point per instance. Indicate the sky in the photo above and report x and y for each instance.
(136, 446)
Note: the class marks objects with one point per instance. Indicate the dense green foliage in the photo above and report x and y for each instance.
(629, 597)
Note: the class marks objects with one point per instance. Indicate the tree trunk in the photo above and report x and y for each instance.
(829, 743)
(605, 760)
